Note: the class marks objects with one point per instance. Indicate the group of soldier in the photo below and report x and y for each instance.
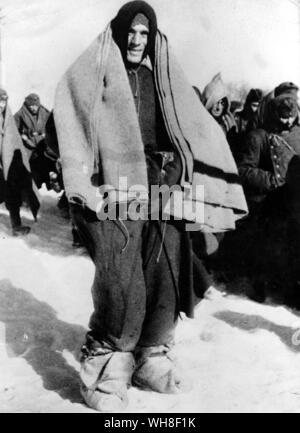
(263, 134)
(264, 137)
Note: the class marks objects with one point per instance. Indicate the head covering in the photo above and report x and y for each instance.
(133, 11)
(32, 99)
(255, 95)
(3, 95)
(214, 92)
(140, 19)
(286, 87)
(285, 105)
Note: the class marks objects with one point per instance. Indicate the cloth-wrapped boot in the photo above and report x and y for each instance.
(105, 378)
(156, 371)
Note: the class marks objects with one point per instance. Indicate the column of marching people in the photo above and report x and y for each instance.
(263, 133)
(29, 159)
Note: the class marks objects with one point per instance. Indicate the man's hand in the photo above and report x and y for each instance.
(24, 137)
(38, 135)
(54, 182)
(229, 122)
(58, 165)
(29, 144)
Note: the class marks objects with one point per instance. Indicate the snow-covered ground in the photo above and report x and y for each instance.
(240, 356)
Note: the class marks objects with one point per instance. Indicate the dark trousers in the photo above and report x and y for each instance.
(41, 166)
(274, 237)
(135, 289)
(10, 193)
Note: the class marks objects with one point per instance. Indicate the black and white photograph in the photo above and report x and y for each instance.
(149, 208)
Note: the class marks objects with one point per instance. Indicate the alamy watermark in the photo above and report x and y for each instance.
(137, 203)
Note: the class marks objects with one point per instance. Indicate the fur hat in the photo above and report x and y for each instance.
(285, 105)
(286, 87)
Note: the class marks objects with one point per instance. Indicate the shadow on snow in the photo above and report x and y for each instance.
(33, 332)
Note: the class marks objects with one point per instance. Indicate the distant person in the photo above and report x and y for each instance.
(244, 117)
(262, 114)
(31, 121)
(270, 173)
(266, 151)
(15, 178)
(216, 100)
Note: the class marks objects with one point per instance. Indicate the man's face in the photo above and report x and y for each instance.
(218, 108)
(33, 109)
(287, 122)
(2, 105)
(137, 42)
(254, 106)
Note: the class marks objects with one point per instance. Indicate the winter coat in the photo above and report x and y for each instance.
(245, 118)
(264, 160)
(16, 183)
(32, 126)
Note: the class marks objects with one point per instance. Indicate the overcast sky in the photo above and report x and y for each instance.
(256, 42)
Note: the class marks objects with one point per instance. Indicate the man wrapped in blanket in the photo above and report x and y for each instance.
(124, 110)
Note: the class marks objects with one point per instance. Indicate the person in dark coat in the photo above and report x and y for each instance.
(31, 121)
(262, 114)
(269, 169)
(267, 151)
(244, 117)
(16, 183)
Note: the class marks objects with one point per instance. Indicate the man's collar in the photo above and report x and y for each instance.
(147, 62)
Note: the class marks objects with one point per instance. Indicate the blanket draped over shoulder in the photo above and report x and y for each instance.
(100, 139)
(14, 165)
